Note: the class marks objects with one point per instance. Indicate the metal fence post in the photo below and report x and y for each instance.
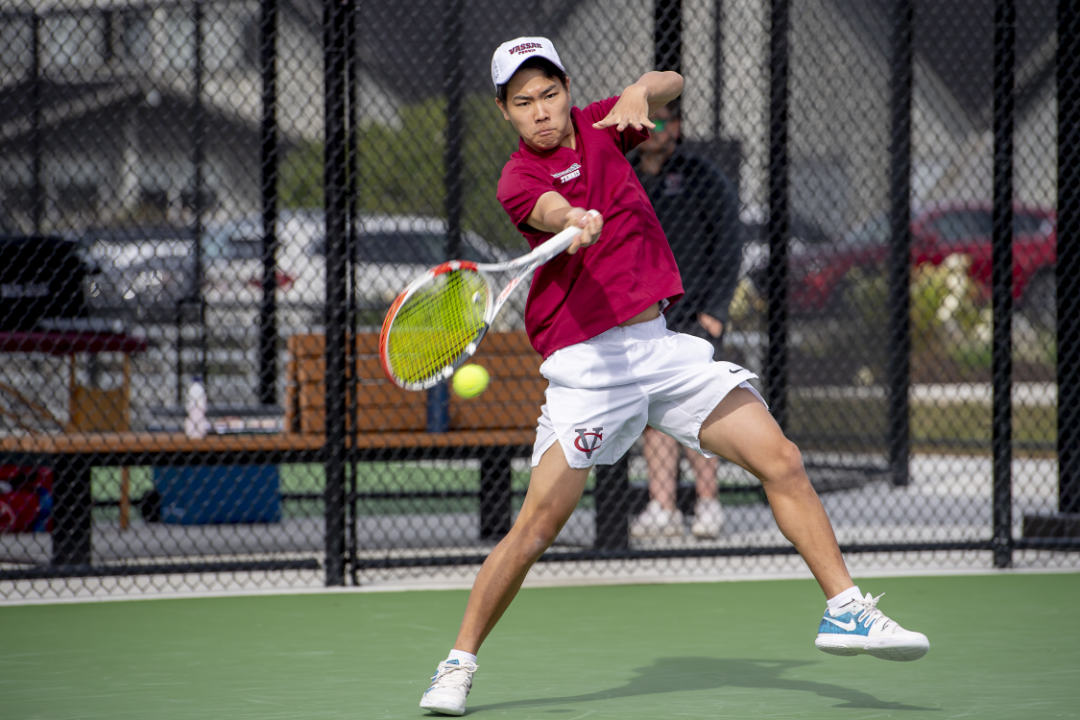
(1001, 272)
(776, 370)
(198, 160)
(1064, 525)
(335, 179)
(718, 70)
(268, 327)
(667, 35)
(453, 13)
(899, 339)
(352, 254)
(37, 134)
(1068, 259)
(438, 398)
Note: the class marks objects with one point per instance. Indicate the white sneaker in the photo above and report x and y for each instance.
(450, 686)
(708, 518)
(656, 521)
(859, 627)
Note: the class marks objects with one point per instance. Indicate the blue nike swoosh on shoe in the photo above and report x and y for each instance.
(843, 625)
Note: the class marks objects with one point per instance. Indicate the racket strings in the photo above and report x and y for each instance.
(436, 324)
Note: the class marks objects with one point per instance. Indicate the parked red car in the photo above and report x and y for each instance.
(820, 272)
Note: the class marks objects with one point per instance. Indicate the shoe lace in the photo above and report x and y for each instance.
(867, 612)
(448, 675)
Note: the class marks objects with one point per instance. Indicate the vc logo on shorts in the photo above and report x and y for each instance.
(588, 441)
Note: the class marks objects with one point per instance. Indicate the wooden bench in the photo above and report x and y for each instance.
(494, 427)
(511, 402)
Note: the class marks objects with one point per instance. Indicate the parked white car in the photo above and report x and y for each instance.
(390, 251)
(126, 247)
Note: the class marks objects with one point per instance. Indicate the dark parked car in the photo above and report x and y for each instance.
(42, 277)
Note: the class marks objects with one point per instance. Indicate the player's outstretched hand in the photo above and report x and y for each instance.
(630, 110)
(590, 222)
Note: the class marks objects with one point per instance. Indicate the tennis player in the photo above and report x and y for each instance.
(595, 314)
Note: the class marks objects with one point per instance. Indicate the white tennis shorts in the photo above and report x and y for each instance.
(603, 392)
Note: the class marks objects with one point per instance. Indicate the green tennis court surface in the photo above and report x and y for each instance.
(1002, 646)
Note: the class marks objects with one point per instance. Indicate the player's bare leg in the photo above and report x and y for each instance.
(554, 491)
(741, 429)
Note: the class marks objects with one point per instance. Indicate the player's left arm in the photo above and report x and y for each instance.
(650, 92)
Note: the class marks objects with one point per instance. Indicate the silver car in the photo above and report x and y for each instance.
(152, 274)
(390, 251)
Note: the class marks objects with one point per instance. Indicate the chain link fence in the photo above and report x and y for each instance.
(229, 193)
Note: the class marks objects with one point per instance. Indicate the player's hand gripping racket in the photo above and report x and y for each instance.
(438, 321)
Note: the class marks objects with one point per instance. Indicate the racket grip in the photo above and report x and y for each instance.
(438, 408)
(558, 242)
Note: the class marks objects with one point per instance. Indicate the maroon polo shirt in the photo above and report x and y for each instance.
(576, 297)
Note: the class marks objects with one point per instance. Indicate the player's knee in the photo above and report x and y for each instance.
(791, 457)
(786, 465)
(536, 535)
(546, 531)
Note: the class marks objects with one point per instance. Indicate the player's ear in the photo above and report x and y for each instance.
(502, 108)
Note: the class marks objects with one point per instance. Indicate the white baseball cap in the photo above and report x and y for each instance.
(509, 56)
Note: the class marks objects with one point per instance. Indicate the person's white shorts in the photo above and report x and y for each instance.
(603, 392)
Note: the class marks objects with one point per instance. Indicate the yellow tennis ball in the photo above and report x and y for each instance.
(470, 380)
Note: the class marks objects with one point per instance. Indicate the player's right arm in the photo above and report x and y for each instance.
(553, 213)
(640, 100)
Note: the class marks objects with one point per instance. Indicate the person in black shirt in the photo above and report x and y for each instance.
(698, 207)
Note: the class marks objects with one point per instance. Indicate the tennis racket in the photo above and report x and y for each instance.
(439, 319)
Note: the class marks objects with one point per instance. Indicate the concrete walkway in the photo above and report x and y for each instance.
(949, 499)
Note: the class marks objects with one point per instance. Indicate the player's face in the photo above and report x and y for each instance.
(538, 107)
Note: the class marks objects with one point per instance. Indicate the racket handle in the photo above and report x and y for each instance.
(556, 244)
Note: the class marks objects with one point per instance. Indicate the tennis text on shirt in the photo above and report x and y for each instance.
(576, 297)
